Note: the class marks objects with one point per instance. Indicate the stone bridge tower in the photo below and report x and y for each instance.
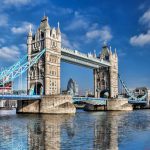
(106, 78)
(44, 76)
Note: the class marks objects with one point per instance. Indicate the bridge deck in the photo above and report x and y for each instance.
(90, 100)
(20, 97)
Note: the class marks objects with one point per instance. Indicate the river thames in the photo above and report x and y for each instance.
(82, 131)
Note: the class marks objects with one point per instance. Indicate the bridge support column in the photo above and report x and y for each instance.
(49, 104)
(101, 81)
(47, 69)
(106, 78)
(113, 71)
(96, 94)
(148, 98)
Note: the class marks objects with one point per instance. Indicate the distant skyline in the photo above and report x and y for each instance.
(85, 25)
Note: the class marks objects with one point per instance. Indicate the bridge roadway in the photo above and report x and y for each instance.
(90, 100)
(20, 97)
(86, 60)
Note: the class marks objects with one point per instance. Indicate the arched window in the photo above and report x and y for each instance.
(42, 35)
(103, 82)
(103, 75)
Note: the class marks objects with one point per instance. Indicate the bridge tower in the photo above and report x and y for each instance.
(44, 77)
(106, 78)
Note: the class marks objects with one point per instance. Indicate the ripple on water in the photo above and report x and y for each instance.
(85, 131)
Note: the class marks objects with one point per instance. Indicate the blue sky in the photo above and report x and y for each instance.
(85, 25)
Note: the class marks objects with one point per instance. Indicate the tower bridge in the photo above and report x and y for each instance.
(45, 73)
(45, 53)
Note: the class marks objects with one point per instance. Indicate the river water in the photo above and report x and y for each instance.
(82, 131)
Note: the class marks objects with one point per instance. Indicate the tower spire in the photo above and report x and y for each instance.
(58, 24)
(105, 43)
(58, 28)
(115, 52)
(30, 30)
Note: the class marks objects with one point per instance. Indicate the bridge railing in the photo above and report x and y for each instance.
(86, 56)
(90, 100)
(20, 97)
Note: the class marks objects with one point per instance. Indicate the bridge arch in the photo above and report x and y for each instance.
(36, 89)
(104, 93)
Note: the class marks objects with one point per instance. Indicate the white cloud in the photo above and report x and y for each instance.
(3, 20)
(24, 28)
(140, 40)
(65, 41)
(17, 2)
(102, 34)
(145, 19)
(23, 47)
(55, 9)
(78, 22)
(9, 53)
(67, 44)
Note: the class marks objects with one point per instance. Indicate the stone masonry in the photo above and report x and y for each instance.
(44, 76)
(106, 78)
(52, 104)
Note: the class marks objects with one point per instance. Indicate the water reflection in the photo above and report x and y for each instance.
(44, 133)
(50, 132)
(89, 131)
(106, 131)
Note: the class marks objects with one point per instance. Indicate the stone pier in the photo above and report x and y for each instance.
(113, 104)
(50, 104)
(118, 104)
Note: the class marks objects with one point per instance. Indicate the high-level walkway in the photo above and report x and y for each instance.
(87, 60)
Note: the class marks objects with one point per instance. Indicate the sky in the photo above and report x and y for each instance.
(85, 25)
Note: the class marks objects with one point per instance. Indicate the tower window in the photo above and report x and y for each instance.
(53, 43)
(42, 34)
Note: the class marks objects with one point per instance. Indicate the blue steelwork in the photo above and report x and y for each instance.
(132, 98)
(8, 71)
(20, 97)
(91, 100)
(137, 102)
(18, 70)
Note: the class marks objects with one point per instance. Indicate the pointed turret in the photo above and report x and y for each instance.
(53, 32)
(30, 31)
(94, 55)
(105, 52)
(29, 40)
(115, 53)
(44, 23)
(58, 32)
(58, 28)
(110, 51)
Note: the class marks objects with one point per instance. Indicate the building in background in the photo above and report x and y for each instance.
(72, 88)
(89, 93)
(140, 91)
(8, 104)
(6, 88)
